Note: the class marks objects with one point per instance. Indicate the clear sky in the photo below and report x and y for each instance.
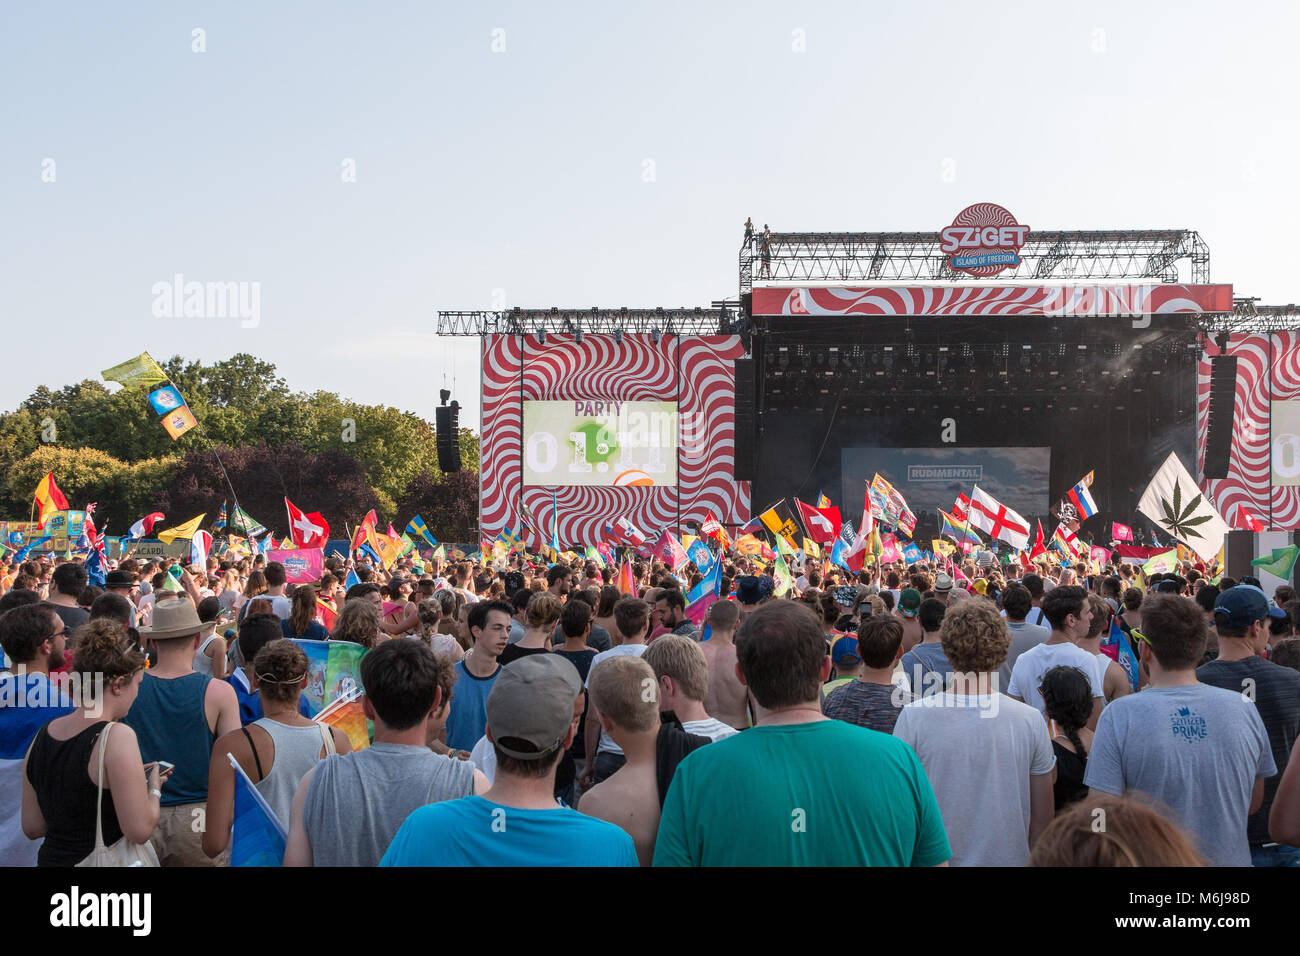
(519, 176)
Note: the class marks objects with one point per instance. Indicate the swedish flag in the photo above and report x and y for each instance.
(417, 527)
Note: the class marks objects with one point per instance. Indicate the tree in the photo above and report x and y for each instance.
(447, 503)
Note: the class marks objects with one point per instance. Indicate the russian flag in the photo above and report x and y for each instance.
(1082, 501)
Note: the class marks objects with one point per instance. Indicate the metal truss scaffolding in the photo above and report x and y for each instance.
(1165, 255)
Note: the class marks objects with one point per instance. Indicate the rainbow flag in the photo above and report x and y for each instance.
(347, 715)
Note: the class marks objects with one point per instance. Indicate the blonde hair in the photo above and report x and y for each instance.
(680, 658)
(1132, 834)
(544, 610)
(623, 689)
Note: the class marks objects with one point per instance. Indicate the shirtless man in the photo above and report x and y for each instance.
(727, 699)
(909, 605)
(624, 699)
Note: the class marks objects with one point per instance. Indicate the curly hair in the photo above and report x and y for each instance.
(280, 667)
(103, 647)
(1067, 699)
(358, 622)
(1134, 834)
(974, 637)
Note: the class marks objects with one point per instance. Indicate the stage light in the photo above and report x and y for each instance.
(577, 337)
(618, 336)
(654, 336)
(541, 336)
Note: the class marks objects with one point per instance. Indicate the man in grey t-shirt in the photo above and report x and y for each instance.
(1016, 604)
(348, 807)
(1200, 751)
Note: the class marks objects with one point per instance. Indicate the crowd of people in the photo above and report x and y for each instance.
(534, 714)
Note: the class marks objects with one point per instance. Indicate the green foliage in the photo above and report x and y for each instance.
(110, 445)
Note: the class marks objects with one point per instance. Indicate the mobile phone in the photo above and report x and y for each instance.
(165, 767)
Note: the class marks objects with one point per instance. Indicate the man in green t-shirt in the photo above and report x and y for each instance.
(817, 792)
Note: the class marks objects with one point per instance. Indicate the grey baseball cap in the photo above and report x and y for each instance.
(532, 703)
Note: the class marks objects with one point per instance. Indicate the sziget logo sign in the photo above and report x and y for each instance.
(983, 240)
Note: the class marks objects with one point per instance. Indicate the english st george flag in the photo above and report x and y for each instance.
(997, 520)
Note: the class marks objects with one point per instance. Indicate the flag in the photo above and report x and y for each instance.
(748, 545)
(699, 553)
(21, 553)
(307, 530)
(417, 527)
(847, 532)
(911, 553)
(822, 524)
(178, 421)
(1100, 555)
(95, 567)
(1120, 532)
(1082, 500)
(889, 550)
(889, 505)
(257, 835)
(351, 580)
(1280, 563)
(555, 523)
(145, 525)
(606, 552)
(781, 576)
(811, 548)
(839, 554)
(1251, 521)
(624, 531)
(1161, 563)
(508, 539)
(625, 582)
(1086, 480)
(997, 520)
(783, 546)
(327, 614)
(592, 554)
(961, 508)
(185, 530)
(1039, 547)
(856, 556)
(140, 371)
(221, 518)
(701, 597)
(670, 551)
(200, 544)
(242, 523)
(347, 714)
(942, 547)
(1116, 646)
(49, 499)
(1174, 502)
(440, 553)
(868, 520)
(823, 501)
(711, 527)
(1064, 541)
(958, 530)
(779, 520)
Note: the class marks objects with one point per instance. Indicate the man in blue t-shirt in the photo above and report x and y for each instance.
(532, 717)
(489, 629)
(34, 637)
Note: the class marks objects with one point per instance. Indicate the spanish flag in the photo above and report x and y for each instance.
(49, 500)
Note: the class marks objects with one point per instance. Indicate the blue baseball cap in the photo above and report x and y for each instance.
(1243, 605)
(844, 651)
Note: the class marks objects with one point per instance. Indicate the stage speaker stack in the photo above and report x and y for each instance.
(447, 425)
(1218, 431)
(746, 425)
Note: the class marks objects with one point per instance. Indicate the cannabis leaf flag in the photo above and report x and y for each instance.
(1174, 502)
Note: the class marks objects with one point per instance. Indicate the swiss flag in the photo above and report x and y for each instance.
(306, 530)
(1251, 521)
(822, 524)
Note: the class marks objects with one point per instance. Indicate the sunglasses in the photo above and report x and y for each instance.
(1142, 637)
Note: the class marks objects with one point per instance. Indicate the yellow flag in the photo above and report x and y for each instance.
(185, 530)
(141, 370)
(811, 548)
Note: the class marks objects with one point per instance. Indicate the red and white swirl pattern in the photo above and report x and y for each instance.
(1062, 300)
(1250, 466)
(697, 372)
